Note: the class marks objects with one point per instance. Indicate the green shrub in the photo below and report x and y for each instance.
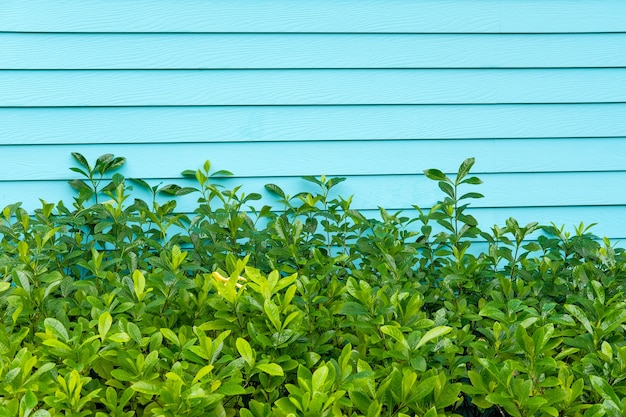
(123, 307)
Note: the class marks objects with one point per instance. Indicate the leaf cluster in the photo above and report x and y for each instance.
(123, 306)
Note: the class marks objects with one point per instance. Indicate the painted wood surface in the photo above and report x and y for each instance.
(320, 16)
(305, 123)
(298, 51)
(373, 90)
(310, 87)
(258, 159)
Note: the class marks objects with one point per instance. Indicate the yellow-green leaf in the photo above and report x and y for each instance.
(270, 369)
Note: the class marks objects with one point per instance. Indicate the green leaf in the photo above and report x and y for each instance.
(394, 332)
(472, 181)
(134, 332)
(432, 334)
(431, 413)
(446, 188)
(246, 352)
(471, 195)
(464, 169)
(104, 324)
(56, 328)
(170, 189)
(120, 337)
(273, 313)
(270, 369)
(170, 335)
(222, 173)
(81, 160)
(436, 175)
(204, 371)
(604, 389)
(146, 387)
(351, 308)
(578, 313)
(57, 344)
(319, 378)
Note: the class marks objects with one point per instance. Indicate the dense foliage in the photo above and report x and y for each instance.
(123, 307)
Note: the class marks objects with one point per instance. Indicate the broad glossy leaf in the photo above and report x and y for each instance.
(245, 350)
(464, 169)
(433, 334)
(56, 328)
(436, 175)
(146, 387)
(270, 369)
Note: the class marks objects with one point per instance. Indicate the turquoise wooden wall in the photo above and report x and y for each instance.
(375, 90)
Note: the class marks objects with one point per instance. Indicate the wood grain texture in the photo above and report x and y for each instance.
(257, 51)
(336, 158)
(390, 16)
(310, 87)
(400, 191)
(250, 124)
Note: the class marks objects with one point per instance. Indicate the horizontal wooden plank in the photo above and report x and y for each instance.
(390, 16)
(234, 51)
(309, 87)
(303, 123)
(398, 191)
(338, 158)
